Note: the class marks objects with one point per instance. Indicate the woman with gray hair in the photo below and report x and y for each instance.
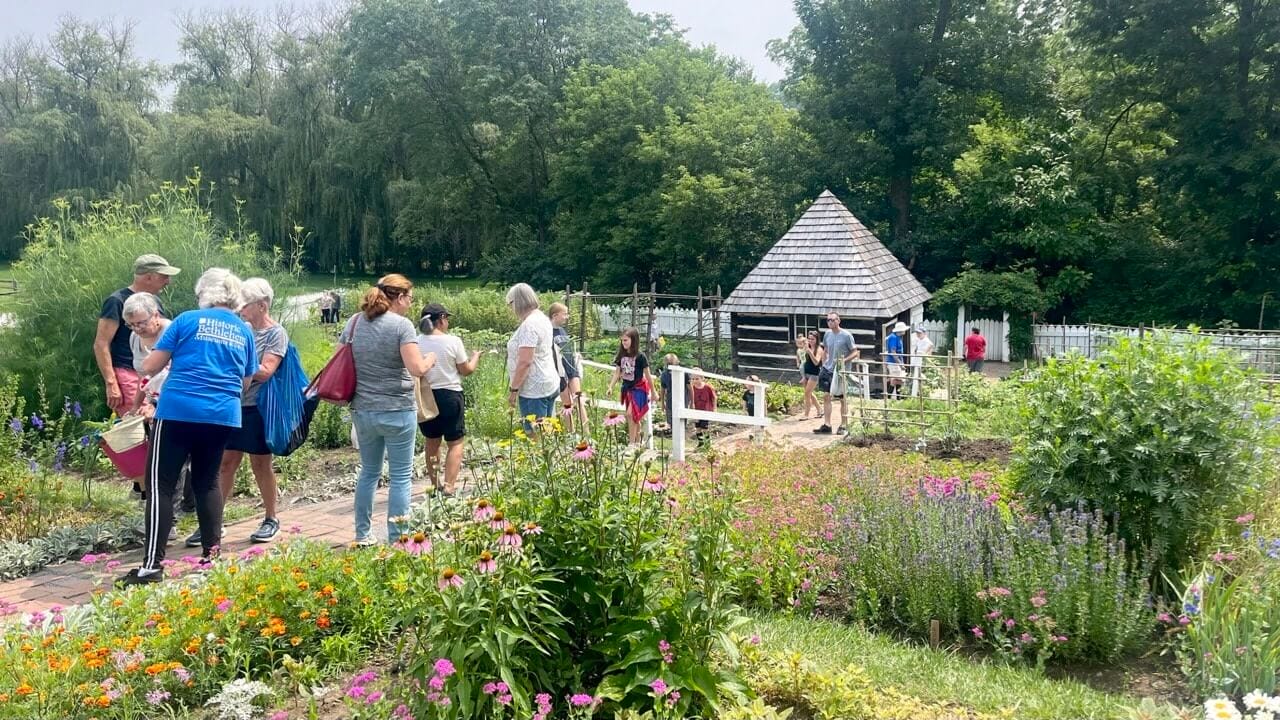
(271, 343)
(531, 366)
(211, 358)
(141, 314)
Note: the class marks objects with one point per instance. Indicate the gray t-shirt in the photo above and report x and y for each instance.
(269, 340)
(382, 381)
(838, 345)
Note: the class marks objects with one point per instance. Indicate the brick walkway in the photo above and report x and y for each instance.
(71, 583)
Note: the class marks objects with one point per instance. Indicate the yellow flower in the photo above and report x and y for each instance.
(531, 417)
(295, 641)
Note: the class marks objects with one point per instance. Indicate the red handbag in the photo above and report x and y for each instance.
(336, 381)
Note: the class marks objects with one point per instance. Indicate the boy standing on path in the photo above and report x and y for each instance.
(840, 349)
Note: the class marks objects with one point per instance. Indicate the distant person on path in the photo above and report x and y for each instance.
(326, 308)
(211, 357)
(704, 397)
(571, 392)
(975, 351)
(665, 379)
(921, 347)
(810, 361)
(151, 274)
(445, 378)
(384, 409)
(838, 350)
(749, 396)
(894, 360)
(272, 343)
(631, 367)
(336, 312)
(533, 378)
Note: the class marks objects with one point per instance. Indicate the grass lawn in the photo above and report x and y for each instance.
(318, 282)
(938, 676)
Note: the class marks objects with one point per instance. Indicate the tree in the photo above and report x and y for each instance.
(889, 88)
(676, 169)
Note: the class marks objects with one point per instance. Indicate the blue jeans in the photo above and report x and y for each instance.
(389, 433)
(537, 407)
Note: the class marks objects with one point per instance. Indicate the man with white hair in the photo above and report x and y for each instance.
(151, 273)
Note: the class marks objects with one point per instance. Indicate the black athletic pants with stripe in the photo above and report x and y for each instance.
(173, 443)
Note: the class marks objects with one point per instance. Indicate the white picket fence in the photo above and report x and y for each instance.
(995, 331)
(670, 321)
(1259, 350)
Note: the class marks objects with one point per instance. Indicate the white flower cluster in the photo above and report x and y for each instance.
(1257, 706)
(236, 699)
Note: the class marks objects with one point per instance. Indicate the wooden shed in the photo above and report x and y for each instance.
(828, 261)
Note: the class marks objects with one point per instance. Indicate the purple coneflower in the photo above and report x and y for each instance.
(498, 521)
(486, 564)
(510, 540)
(653, 485)
(484, 510)
(450, 578)
(583, 451)
(613, 418)
(532, 529)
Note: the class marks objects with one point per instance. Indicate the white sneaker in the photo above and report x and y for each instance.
(365, 541)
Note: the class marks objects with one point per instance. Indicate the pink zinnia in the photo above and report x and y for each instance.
(223, 606)
(484, 510)
(486, 564)
(583, 451)
(510, 540)
(613, 418)
(977, 632)
(450, 578)
(653, 485)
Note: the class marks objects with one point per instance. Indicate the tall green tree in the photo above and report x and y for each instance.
(677, 169)
(889, 88)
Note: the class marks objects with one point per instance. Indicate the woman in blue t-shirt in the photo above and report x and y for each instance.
(211, 357)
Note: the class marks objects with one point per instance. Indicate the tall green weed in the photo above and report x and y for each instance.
(73, 261)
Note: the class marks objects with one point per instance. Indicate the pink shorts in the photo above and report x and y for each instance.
(129, 383)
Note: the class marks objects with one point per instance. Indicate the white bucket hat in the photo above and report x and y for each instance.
(901, 327)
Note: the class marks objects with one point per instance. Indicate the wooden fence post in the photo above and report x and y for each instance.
(699, 326)
(635, 299)
(583, 329)
(650, 341)
(715, 330)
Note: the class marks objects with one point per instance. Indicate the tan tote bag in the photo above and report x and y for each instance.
(427, 408)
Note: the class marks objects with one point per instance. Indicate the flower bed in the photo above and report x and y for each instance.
(593, 576)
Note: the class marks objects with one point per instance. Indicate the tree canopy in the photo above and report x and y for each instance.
(1118, 162)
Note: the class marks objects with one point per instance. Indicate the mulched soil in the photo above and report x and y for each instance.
(975, 450)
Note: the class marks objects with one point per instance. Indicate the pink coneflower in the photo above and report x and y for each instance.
(450, 578)
(498, 521)
(510, 540)
(484, 510)
(583, 451)
(415, 544)
(486, 564)
(567, 411)
(532, 529)
(613, 418)
(653, 485)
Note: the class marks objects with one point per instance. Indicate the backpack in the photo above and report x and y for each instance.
(286, 411)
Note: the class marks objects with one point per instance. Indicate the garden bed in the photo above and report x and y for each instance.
(969, 450)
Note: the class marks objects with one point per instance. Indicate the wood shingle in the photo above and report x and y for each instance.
(828, 261)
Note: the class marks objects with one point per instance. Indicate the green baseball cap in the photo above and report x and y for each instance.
(153, 264)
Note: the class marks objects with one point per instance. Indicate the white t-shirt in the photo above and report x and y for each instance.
(543, 379)
(140, 353)
(920, 346)
(449, 353)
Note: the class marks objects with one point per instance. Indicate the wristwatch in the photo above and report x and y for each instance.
(514, 390)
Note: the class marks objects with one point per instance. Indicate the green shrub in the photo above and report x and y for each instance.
(330, 428)
(1160, 433)
(475, 308)
(73, 262)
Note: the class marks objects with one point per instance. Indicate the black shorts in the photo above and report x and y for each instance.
(251, 436)
(449, 423)
(824, 383)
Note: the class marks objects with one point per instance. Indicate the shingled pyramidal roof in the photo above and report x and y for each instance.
(828, 261)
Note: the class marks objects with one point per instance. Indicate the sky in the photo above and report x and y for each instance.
(736, 27)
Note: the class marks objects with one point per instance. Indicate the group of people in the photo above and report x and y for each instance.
(330, 304)
(822, 361)
(195, 379)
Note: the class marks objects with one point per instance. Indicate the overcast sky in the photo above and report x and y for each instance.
(736, 27)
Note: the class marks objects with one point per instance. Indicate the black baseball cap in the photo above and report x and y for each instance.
(435, 311)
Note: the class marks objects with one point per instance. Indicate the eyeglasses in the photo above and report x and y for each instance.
(137, 325)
